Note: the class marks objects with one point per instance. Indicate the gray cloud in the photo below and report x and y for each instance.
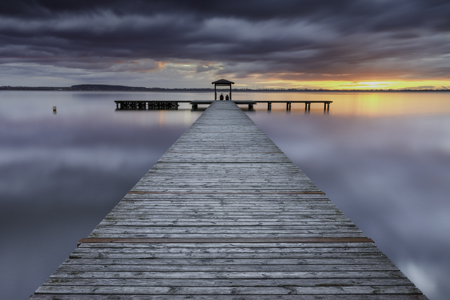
(296, 40)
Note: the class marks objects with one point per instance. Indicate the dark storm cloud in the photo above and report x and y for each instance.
(299, 40)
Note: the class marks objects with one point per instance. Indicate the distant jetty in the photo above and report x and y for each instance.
(124, 88)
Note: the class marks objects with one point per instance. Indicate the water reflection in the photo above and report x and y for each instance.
(383, 158)
(388, 175)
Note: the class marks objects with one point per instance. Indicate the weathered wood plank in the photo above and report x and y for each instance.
(168, 249)
(231, 244)
(229, 261)
(229, 282)
(231, 297)
(187, 255)
(221, 235)
(222, 290)
(231, 275)
(224, 268)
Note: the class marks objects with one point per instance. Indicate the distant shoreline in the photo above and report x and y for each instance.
(122, 88)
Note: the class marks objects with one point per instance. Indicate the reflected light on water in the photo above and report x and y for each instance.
(364, 104)
(162, 117)
(388, 174)
(383, 158)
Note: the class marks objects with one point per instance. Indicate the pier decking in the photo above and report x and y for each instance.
(224, 214)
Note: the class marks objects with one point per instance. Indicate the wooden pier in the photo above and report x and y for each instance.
(174, 104)
(326, 104)
(224, 214)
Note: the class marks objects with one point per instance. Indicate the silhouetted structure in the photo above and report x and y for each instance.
(148, 104)
(221, 82)
(173, 104)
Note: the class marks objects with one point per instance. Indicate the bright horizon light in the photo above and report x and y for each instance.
(349, 85)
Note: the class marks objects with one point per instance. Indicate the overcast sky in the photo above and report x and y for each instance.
(283, 43)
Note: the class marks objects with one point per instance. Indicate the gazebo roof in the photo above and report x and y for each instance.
(223, 81)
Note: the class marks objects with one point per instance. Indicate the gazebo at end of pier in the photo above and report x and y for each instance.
(221, 82)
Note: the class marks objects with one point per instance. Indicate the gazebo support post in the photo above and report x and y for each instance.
(221, 82)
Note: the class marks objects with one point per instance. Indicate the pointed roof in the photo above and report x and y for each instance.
(222, 81)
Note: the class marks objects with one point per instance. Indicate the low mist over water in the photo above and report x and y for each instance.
(382, 158)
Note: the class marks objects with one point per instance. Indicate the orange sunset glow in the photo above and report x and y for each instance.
(364, 85)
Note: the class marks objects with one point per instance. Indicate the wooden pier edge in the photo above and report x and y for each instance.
(224, 214)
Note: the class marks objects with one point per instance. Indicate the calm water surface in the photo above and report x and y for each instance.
(383, 158)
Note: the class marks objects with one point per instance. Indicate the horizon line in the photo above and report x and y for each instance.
(112, 87)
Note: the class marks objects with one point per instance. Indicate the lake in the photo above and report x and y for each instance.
(382, 158)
